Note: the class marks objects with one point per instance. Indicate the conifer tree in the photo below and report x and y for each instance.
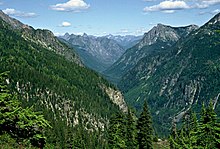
(194, 135)
(173, 136)
(131, 133)
(117, 131)
(208, 133)
(20, 123)
(145, 130)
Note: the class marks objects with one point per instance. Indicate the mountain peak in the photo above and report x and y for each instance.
(85, 35)
(159, 32)
(161, 25)
(66, 34)
(215, 19)
(165, 33)
(13, 22)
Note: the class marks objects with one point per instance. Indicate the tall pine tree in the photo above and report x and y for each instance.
(145, 130)
(117, 132)
(131, 133)
(194, 135)
(208, 132)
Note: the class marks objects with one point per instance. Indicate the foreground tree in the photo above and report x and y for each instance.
(208, 132)
(22, 124)
(145, 130)
(194, 135)
(117, 132)
(131, 131)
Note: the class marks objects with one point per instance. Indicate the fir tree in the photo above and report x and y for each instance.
(145, 130)
(208, 133)
(131, 134)
(20, 123)
(117, 131)
(194, 135)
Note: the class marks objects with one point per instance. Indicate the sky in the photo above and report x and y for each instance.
(102, 17)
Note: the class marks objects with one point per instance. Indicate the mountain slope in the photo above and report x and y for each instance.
(183, 77)
(159, 38)
(45, 38)
(75, 100)
(98, 53)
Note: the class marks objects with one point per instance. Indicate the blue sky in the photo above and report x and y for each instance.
(101, 17)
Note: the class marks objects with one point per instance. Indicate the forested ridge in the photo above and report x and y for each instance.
(71, 97)
(177, 78)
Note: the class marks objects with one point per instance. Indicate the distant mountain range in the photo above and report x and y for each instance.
(99, 53)
(126, 41)
(174, 69)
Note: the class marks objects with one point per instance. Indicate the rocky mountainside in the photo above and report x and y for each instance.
(44, 38)
(126, 41)
(48, 75)
(159, 38)
(184, 76)
(98, 53)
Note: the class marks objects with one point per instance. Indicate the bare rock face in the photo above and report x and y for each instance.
(13, 22)
(117, 98)
(165, 33)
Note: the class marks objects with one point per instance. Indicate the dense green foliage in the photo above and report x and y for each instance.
(59, 88)
(131, 138)
(145, 130)
(117, 132)
(21, 124)
(125, 132)
(177, 78)
(196, 135)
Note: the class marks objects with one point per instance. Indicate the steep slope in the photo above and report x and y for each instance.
(44, 38)
(126, 41)
(76, 101)
(183, 77)
(98, 53)
(159, 38)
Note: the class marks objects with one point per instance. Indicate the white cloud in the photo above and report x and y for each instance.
(168, 6)
(206, 3)
(65, 24)
(71, 5)
(211, 2)
(13, 12)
